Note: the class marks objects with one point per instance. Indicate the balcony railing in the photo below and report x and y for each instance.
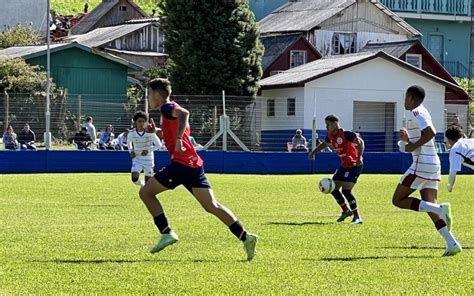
(456, 69)
(444, 7)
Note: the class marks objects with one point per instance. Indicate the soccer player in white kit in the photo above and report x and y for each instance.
(141, 146)
(425, 172)
(461, 153)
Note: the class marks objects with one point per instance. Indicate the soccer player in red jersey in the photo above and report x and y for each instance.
(349, 146)
(186, 168)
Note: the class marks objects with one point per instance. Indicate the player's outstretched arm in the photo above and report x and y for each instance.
(360, 148)
(320, 147)
(156, 143)
(183, 118)
(451, 180)
(426, 135)
(130, 145)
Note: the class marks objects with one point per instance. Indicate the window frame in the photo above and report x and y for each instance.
(271, 108)
(417, 55)
(305, 57)
(289, 111)
(336, 40)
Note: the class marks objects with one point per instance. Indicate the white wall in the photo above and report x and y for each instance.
(377, 80)
(13, 12)
(281, 121)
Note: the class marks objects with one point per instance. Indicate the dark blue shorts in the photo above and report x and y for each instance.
(175, 174)
(348, 175)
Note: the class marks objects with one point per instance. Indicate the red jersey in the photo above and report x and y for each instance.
(169, 127)
(344, 144)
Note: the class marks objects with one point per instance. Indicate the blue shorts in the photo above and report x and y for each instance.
(348, 174)
(175, 174)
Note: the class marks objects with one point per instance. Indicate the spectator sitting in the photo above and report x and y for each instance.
(27, 138)
(121, 141)
(10, 139)
(195, 144)
(299, 142)
(91, 130)
(82, 140)
(106, 139)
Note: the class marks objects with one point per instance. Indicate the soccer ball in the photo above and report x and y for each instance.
(326, 185)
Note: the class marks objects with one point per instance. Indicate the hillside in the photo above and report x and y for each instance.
(73, 7)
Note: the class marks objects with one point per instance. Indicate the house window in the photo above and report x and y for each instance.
(291, 107)
(123, 8)
(414, 59)
(297, 58)
(161, 42)
(344, 43)
(270, 108)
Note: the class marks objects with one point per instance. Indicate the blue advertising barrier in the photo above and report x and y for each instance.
(215, 162)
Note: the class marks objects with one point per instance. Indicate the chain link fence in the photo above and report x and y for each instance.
(248, 123)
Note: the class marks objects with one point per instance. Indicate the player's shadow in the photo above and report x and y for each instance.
(361, 258)
(309, 223)
(420, 248)
(120, 261)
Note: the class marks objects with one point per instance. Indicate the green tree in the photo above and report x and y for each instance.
(214, 46)
(20, 35)
(25, 87)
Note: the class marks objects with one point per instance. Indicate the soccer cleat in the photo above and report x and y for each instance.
(249, 245)
(356, 220)
(447, 215)
(451, 251)
(344, 215)
(166, 239)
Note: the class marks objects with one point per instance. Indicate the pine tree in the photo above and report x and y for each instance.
(214, 46)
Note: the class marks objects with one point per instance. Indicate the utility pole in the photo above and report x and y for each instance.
(47, 133)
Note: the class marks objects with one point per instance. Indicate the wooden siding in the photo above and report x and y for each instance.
(283, 62)
(115, 16)
(369, 18)
(149, 38)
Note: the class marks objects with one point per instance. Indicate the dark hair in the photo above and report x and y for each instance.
(454, 133)
(416, 92)
(161, 85)
(140, 114)
(89, 118)
(84, 128)
(332, 118)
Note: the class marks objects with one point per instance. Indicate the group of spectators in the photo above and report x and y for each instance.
(25, 140)
(87, 139)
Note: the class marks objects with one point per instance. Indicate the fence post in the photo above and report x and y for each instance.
(79, 111)
(214, 123)
(313, 136)
(224, 121)
(146, 100)
(7, 111)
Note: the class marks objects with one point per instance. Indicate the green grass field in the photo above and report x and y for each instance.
(89, 233)
(73, 7)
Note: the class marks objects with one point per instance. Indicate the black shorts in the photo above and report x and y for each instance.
(175, 174)
(348, 174)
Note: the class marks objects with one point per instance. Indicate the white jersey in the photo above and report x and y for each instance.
(426, 163)
(462, 153)
(138, 142)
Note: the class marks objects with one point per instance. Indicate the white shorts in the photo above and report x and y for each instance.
(414, 182)
(138, 168)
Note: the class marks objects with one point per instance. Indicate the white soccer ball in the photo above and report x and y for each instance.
(326, 185)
